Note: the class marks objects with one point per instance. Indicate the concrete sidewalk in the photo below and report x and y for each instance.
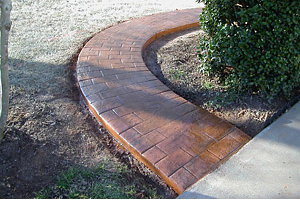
(266, 167)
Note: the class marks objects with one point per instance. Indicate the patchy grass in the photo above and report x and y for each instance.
(97, 183)
(221, 98)
(176, 74)
(48, 130)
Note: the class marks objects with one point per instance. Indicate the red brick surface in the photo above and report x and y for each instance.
(173, 137)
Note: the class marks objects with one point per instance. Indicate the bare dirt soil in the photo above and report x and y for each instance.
(173, 59)
(47, 133)
(48, 128)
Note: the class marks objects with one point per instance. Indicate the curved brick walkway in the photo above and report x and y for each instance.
(176, 139)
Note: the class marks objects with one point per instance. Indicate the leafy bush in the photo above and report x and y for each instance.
(252, 44)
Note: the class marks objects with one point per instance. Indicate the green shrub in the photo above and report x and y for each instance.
(252, 44)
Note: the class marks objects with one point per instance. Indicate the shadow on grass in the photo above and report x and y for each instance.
(49, 135)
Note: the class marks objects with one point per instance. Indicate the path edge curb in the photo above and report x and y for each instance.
(122, 141)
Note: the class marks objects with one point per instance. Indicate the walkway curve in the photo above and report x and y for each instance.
(176, 139)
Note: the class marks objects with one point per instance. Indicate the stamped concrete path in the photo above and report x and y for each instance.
(176, 139)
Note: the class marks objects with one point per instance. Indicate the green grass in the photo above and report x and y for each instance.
(177, 74)
(221, 97)
(101, 182)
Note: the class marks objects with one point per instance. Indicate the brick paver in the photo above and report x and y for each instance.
(176, 139)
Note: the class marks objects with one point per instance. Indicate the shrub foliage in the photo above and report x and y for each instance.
(252, 44)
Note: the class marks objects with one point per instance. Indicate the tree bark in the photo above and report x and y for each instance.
(6, 7)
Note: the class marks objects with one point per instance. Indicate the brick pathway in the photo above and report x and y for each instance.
(176, 139)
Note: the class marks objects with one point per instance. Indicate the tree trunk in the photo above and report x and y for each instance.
(6, 7)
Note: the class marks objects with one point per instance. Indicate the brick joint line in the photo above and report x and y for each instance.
(174, 138)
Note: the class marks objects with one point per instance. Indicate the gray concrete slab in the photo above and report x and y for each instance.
(266, 167)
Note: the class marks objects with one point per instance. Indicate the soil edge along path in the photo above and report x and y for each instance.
(48, 130)
(174, 138)
(173, 59)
